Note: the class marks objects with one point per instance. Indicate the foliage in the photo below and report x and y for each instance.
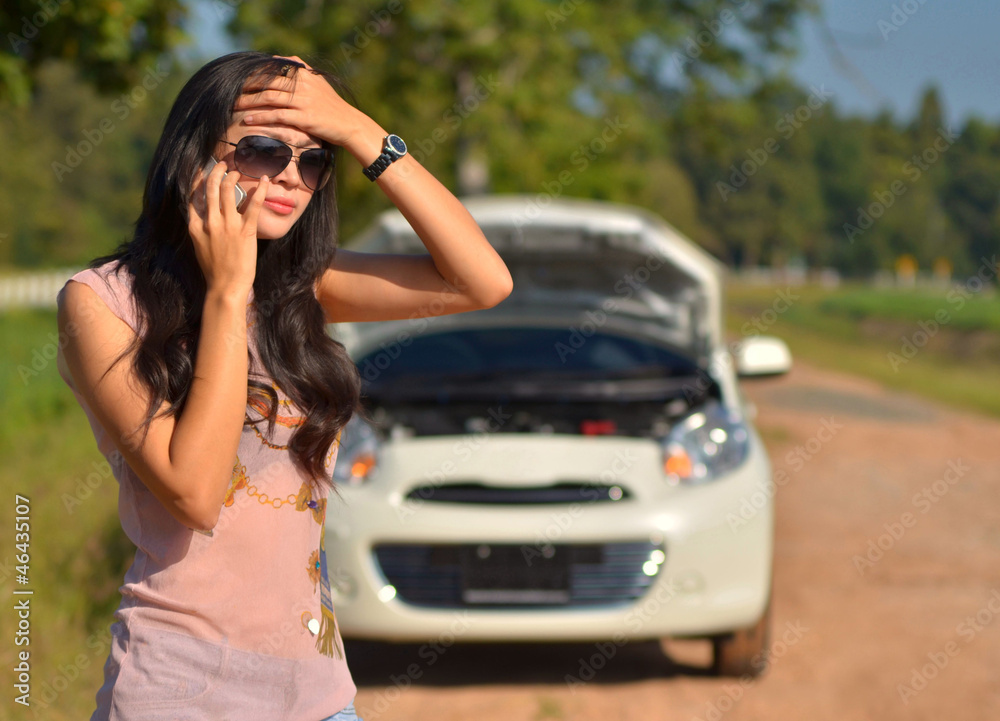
(672, 105)
(75, 167)
(111, 43)
(506, 96)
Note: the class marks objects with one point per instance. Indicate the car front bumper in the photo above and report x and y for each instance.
(717, 538)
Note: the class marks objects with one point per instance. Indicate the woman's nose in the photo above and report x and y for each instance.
(289, 175)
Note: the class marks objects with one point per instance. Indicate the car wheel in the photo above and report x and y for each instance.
(743, 652)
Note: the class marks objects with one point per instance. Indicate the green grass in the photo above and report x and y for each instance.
(961, 310)
(78, 553)
(866, 331)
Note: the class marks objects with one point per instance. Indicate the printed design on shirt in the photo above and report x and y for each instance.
(328, 462)
(327, 640)
(285, 417)
(314, 568)
(238, 481)
(289, 421)
(275, 446)
(333, 449)
(305, 501)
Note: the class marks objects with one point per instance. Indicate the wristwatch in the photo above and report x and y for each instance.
(393, 148)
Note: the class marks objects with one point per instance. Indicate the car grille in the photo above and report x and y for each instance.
(553, 493)
(519, 575)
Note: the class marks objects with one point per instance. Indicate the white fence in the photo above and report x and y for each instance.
(33, 290)
(38, 290)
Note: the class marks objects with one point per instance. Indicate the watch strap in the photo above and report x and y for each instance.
(383, 161)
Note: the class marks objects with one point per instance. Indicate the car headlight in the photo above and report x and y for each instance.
(705, 445)
(357, 457)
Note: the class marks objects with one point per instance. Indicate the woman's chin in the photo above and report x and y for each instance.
(270, 231)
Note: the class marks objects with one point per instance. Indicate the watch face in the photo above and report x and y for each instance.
(396, 143)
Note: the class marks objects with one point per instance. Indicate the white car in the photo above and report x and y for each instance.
(574, 464)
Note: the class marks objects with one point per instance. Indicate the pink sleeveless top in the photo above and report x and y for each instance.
(233, 623)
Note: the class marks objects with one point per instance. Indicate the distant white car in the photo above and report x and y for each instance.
(573, 464)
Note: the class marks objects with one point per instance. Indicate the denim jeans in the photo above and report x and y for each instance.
(345, 714)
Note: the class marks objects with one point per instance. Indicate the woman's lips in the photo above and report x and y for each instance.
(279, 205)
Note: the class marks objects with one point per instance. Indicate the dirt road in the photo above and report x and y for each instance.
(887, 588)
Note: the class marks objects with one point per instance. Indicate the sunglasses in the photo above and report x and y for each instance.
(259, 155)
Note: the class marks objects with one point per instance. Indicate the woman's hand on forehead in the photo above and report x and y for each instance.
(292, 138)
(314, 107)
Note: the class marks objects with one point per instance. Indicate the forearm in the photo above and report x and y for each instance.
(461, 253)
(206, 437)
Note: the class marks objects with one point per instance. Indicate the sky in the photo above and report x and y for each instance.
(889, 52)
(896, 54)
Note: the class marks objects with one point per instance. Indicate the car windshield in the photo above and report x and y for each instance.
(523, 353)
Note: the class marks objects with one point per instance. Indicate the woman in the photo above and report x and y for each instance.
(211, 320)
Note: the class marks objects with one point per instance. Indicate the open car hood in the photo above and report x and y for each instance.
(567, 255)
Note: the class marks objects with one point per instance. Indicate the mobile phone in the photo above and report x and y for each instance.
(241, 195)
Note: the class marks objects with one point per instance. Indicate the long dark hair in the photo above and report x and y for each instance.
(308, 365)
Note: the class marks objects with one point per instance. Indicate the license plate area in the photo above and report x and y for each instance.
(503, 574)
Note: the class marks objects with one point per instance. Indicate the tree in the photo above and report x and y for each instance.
(971, 196)
(512, 94)
(76, 166)
(111, 43)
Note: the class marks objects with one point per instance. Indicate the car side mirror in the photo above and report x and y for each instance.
(762, 355)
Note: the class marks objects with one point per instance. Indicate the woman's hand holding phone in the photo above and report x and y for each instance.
(225, 240)
(241, 195)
